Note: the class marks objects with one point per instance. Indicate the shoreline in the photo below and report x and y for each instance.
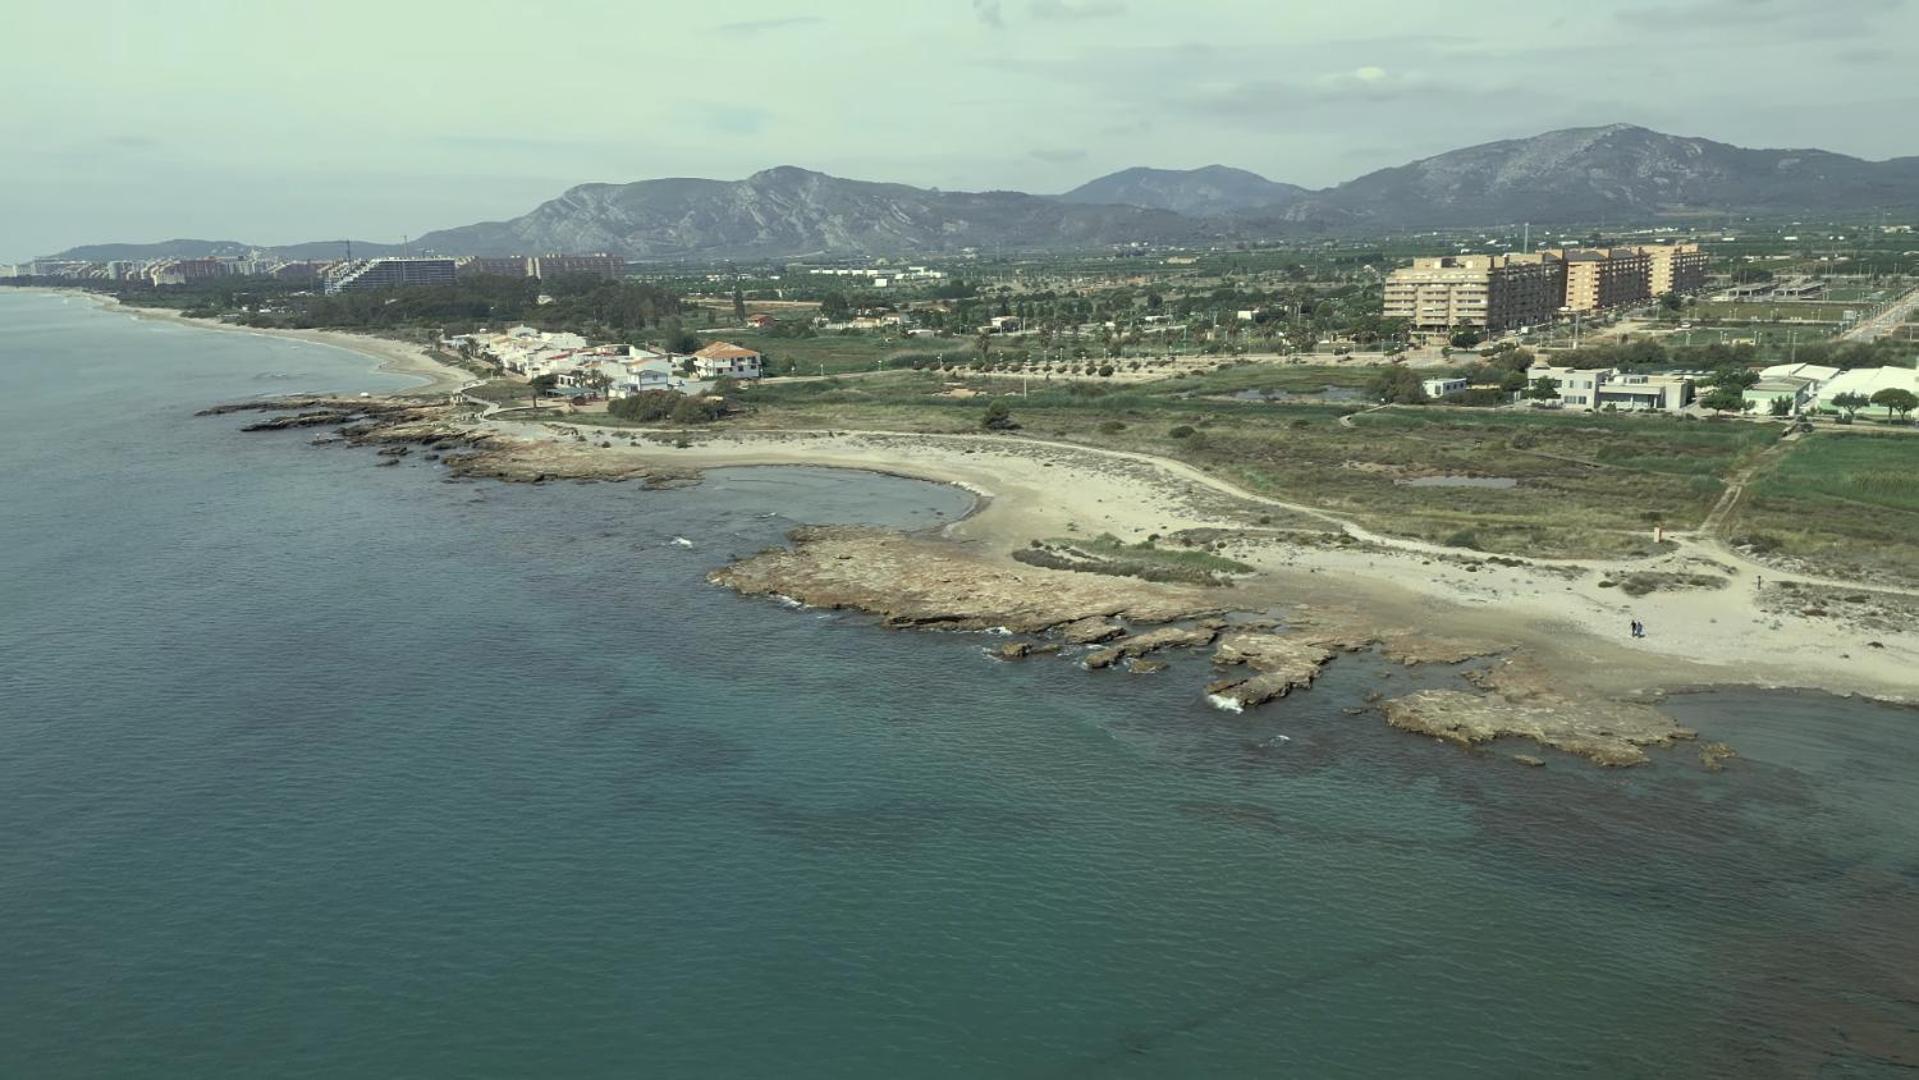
(1561, 669)
(391, 356)
(1696, 637)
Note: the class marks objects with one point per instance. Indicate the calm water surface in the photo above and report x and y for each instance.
(309, 768)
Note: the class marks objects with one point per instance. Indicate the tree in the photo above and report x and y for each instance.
(1850, 402)
(541, 385)
(739, 305)
(999, 418)
(1780, 406)
(834, 307)
(1724, 399)
(1671, 301)
(1896, 399)
(1466, 337)
(599, 382)
(1544, 388)
(1734, 378)
(1398, 385)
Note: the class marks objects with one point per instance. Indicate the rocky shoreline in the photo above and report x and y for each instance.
(1261, 650)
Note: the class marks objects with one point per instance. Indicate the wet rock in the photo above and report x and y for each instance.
(1282, 663)
(1166, 637)
(1091, 631)
(1528, 759)
(1713, 755)
(1020, 650)
(1146, 667)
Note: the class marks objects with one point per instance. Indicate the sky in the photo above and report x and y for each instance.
(271, 121)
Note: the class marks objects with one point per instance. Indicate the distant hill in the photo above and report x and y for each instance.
(790, 211)
(1212, 191)
(1618, 174)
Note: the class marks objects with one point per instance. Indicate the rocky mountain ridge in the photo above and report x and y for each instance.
(1618, 174)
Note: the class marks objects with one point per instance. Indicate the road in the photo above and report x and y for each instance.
(1887, 320)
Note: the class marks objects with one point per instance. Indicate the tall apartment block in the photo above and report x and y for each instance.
(1600, 278)
(1676, 268)
(602, 265)
(1501, 292)
(389, 274)
(1484, 292)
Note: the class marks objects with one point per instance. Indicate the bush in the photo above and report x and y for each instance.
(1183, 431)
(1111, 427)
(999, 418)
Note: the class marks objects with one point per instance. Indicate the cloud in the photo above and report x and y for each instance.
(1057, 156)
(1800, 18)
(750, 27)
(988, 12)
(1082, 9)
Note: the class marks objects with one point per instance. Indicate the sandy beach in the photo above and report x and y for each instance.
(396, 357)
(1571, 615)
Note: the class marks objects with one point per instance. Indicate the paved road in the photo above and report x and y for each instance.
(1887, 321)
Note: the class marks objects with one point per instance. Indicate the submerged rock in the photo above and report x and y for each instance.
(1020, 650)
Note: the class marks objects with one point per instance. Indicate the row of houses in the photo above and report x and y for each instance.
(613, 370)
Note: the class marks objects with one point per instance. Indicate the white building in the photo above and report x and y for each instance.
(1865, 381)
(723, 359)
(1607, 388)
(1439, 388)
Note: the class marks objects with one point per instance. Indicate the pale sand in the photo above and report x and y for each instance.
(1036, 489)
(397, 357)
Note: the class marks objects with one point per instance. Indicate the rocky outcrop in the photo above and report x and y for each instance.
(1271, 666)
(1523, 702)
(1020, 650)
(919, 581)
(1166, 637)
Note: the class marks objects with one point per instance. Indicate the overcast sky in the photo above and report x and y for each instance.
(270, 121)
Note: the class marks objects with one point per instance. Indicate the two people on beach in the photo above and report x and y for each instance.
(1638, 628)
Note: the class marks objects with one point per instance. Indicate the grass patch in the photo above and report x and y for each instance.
(1108, 554)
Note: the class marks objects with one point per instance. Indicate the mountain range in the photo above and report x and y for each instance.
(1617, 175)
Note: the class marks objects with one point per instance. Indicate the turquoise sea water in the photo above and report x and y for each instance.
(311, 768)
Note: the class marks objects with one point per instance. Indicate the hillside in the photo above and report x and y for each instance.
(1212, 191)
(1617, 175)
(789, 211)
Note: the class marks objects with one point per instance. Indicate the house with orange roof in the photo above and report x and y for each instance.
(725, 359)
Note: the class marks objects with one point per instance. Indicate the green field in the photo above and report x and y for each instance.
(1848, 500)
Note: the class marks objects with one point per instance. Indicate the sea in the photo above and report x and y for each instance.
(313, 768)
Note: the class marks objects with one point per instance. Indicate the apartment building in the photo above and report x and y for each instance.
(510, 266)
(1675, 268)
(1600, 278)
(602, 265)
(368, 274)
(1483, 292)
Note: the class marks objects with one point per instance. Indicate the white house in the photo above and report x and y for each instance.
(1439, 388)
(723, 359)
(1608, 388)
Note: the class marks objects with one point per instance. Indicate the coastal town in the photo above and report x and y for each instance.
(1001, 538)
